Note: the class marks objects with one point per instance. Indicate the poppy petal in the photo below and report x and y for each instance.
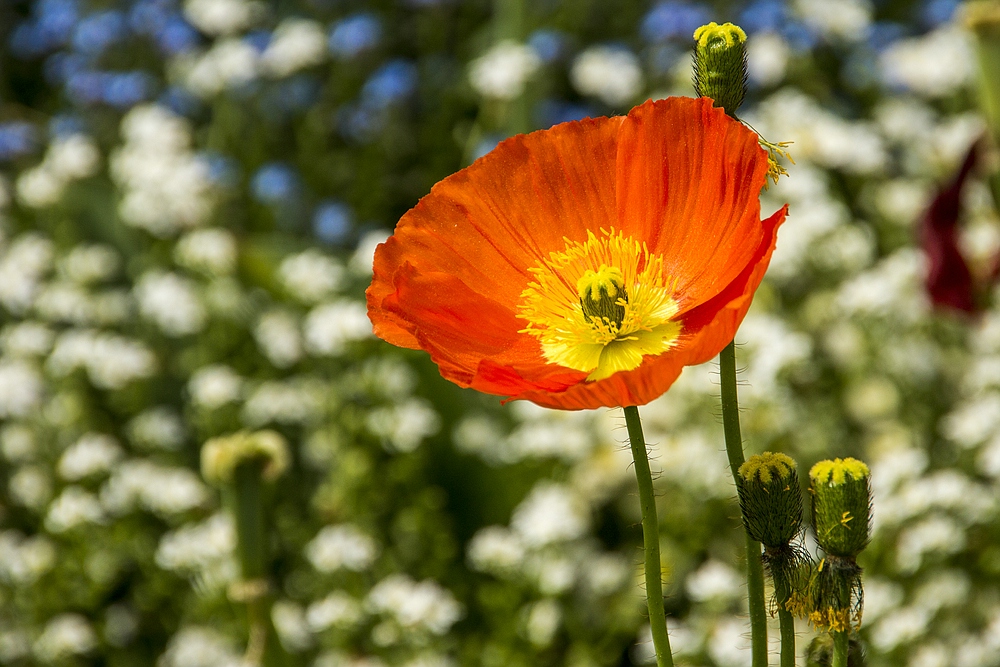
(487, 224)
(689, 179)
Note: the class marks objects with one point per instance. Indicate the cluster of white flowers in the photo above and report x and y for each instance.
(404, 426)
(342, 547)
(612, 75)
(504, 70)
(937, 64)
(111, 361)
(69, 158)
(415, 606)
(295, 45)
(171, 302)
(165, 187)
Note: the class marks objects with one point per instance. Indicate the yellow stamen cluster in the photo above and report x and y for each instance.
(763, 466)
(774, 168)
(835, 472)
(730, 33)
(601, 306)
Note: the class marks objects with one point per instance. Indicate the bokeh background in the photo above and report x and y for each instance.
(190, 196)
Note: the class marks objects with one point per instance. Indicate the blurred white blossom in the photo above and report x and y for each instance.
(504, 70)
(610, 74)
(341, 547)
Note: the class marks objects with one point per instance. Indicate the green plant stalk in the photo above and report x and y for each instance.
(841, 645)
(650, 539)
(262, 649)
(786, 624)
(734, 449)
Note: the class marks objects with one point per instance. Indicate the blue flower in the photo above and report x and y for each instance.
(56, 20)
(16, 138)
(222, 169)
(60, 67)
(98, 31)
(332, 222)
(673, 20)
(550, 45)
(354, 35)
(936, 12)
(274, 183)
(391, 83)
(176, 36)
(126, 89)
(65, 124)
(764, 16)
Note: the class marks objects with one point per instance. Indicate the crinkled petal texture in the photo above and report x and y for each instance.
(677, 175)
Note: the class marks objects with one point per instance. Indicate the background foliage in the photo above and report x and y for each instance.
(190, 198)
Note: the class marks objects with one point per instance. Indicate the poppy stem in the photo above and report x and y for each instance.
(650, 539)
(841, 644)
(734, 448)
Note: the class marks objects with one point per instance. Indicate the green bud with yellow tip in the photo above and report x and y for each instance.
(770, 499)
(720, 65)
(841, 508)
(221, 456)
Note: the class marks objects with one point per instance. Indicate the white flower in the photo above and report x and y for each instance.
(974, 421)
(891, 287)
(23, 561)
(310, 276)
(209, 250)
(111, 361)
(415, 605)
(329, 328)
(937, 64)
(277, 335)
(90, 263)
(213, 386)
(26, 339)
(73, 156)
(295, 44)
(64, 636)
(17, 442)
(336, 610)
(483, 436)
(195, 646)
(496, 549)
(289, 619)
(30, 487)
(160, 489)
(229, 63)
(72, 508)
(898, 627)
(64, 302)
(21, 388)
(714, 579)
(222, 17)
(550, 513)
(171, 302)
(544, 618)
(200, 546)
(39, 187)
(607, 573)
(28, 258)
(610, 74)
(404, 426)
(341, 547)
(503, 71)
(157, 427)
(287, 402)
(93, 453)
(936, 534)
(767, 58)
(729, 643)
(844, 19)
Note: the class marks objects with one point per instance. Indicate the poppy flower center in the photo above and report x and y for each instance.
(601, 306)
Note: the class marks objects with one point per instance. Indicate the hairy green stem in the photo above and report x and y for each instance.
(734, 448)
(841, 645)
(650, 539)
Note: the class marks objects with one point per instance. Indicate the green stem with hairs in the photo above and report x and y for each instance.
(650, 539)
(841, 645)
(734, 449)
(786, 623)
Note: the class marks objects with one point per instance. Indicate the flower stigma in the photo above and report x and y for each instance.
(601, 306)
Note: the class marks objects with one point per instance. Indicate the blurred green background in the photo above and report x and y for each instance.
(190, 196)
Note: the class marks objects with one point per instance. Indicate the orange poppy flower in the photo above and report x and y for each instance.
(584, 265)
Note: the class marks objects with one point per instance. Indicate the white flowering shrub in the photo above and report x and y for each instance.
(190, 197)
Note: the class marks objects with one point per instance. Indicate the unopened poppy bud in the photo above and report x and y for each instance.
(770, 499)
(720, 65)
(221, 456)
(841, 508)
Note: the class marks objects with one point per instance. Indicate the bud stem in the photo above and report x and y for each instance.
(786, 623)
(841, 644)
(650, 539)
(734, 448)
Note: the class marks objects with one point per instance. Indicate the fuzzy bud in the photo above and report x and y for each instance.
(841, 508)
(720, 65)
(221, 456)
(770, 499)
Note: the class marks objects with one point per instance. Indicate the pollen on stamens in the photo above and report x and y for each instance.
(601, 306)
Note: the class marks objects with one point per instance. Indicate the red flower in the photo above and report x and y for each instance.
(584, 265)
